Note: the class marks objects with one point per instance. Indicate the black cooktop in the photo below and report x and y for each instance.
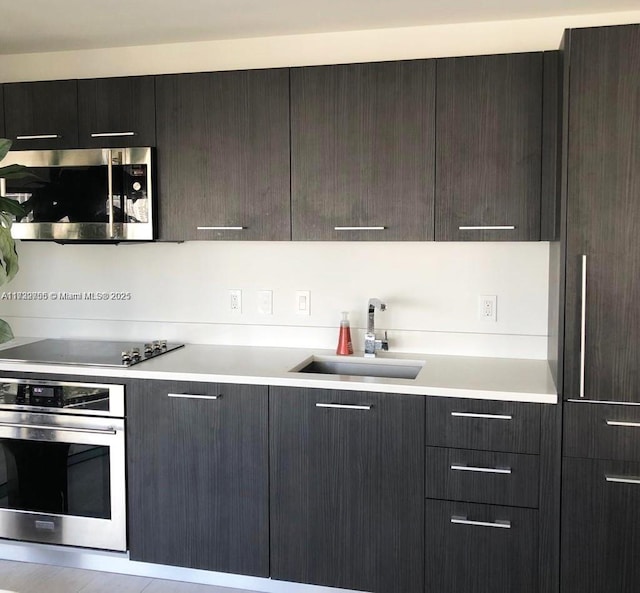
(87, 352)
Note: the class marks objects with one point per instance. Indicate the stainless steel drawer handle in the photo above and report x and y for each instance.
(59, 428)
(623, 423)
(486, 416)
(221, 228)
(488, 228)
(359, 228)
(111, 134)
(344, 406)
(622, 479)
(465, 521)
(482, 470)
(583, 324)
(38, 137)
(193, 396)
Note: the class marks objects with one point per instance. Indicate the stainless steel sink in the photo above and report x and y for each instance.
(398, 369)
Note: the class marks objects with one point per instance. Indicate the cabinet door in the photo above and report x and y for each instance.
(603, 215)
(41, 114)
(488, 157)
(600, 526)
(2, 107)
(347, 489)
(197, 461)
(117, 112)
(362, 151)
(472, 548)
(223, 155)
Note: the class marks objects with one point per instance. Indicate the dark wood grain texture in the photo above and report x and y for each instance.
(362, 150)
(42, 108)
(223, 155)
(198, 476)
(480, 559)
(488, 156)
(520, 434)
(550, 163)
(588, 434)
(347, 490)
(2, 107)
(108, 105)
(600, 527)
(517, 488)
(603, 213)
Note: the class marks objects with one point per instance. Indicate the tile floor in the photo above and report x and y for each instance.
(23, 577)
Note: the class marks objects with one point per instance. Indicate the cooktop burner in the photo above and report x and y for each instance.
(87, 352)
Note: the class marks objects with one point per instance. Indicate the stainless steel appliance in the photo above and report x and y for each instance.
(83, 195)
(87, 352)
(62, 463)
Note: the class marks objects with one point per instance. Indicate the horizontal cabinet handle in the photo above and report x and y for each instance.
(359, 228)
(482, 470)
(602, 401)
(623, 423)
(61, 427)
(111, 134)
(465, 521)
(344, 406)
(221, 228)
(39, 137)
(193, 396)
(622, 479)
(485, 416)
(488, 228)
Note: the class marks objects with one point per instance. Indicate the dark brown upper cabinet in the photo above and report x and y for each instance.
(41, 115)
(362, 151)
(223, 155)
(2, 106)
(488, 153)
(602, 353)
(117, 112)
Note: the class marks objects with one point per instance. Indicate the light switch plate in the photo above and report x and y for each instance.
(265, 302)
(303, 302)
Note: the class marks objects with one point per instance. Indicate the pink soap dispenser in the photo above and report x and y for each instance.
(345, 347)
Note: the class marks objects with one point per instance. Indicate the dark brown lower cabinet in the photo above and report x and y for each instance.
(474, 548)
(197, 460)
(347, 489)
(600, 526)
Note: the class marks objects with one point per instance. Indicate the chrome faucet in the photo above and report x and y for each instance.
(371, 344)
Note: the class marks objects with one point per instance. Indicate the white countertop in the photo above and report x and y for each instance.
(507, 379)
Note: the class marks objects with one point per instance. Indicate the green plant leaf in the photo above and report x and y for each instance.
(5, 332)
(5, 145)
(8, 256)
(16, 172)
(12, 207)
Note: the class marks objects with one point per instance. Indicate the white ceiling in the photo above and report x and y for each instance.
(51, 25)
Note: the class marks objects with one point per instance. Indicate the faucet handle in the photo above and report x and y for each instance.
(384, 344)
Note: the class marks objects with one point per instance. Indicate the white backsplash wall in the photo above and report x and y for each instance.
(180, 292)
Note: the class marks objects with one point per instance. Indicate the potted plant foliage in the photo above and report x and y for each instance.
(8, 209)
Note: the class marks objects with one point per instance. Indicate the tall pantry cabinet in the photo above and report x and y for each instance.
(601, 445)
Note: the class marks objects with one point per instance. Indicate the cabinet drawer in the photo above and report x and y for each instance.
(482, 476)
(482, 424)
(605, 431)
(480, 548)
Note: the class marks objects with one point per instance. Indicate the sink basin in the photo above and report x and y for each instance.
(398, 369)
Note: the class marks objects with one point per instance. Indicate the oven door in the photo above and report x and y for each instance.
(62, 480)
(83, 195)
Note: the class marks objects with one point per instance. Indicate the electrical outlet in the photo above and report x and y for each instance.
(488, 307)
(235, 301)
(265, 302)
(303, 302)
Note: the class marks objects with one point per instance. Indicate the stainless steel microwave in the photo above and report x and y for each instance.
(90, 195)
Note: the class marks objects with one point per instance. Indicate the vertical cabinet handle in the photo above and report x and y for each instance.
(583, 323)
(344, 406)
(461, 520)
(110, 190)
(193, 396)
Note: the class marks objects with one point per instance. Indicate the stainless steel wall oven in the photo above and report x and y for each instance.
(62, 463)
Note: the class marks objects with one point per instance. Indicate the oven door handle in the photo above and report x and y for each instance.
(52, 428)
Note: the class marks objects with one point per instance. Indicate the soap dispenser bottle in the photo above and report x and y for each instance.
(345, 347)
